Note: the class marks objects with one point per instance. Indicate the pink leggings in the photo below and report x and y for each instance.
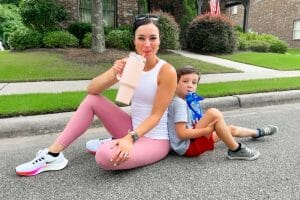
(117, 122)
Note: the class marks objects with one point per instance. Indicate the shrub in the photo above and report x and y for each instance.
(242, 44)
(259, 46)
(79, 29)
(190, 12)
(60, 39)
(120, 39)
(87, 40)
(10, 21)
(169, 31)
(212, 34)
(25, 39)
(42, 15)
(276, 45)
(143, 6)
(238, 28)
(107, 29)
(15, 2)
(125, 27)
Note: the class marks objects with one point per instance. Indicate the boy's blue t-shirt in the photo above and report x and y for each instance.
(178, 112)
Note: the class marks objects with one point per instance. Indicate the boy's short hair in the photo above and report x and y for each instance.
(187, 69)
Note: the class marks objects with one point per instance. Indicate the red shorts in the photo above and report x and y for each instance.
(200, 145)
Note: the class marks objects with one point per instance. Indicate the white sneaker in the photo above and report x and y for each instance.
(93, 145)
(41, 163)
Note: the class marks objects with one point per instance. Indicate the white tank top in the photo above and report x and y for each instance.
(143, 100)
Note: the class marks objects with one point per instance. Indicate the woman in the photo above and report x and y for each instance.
(139, 139)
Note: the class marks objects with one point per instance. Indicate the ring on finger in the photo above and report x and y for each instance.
(125, 155)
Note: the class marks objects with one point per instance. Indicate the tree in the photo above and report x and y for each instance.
(42, 15)
(199, 4)
(98, 39)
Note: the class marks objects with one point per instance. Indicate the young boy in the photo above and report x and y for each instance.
(188, 141)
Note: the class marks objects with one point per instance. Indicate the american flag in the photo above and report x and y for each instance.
(214, 7)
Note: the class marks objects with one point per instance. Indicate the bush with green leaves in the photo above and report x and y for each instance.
(278, 46)
(15, 2)
(259, 46)
(10, 21)
(143, 6)
(119, 39)
(42, 15)
(60, 39)
(212, 34)
(242, 44)
(108, 29)
(79, 29)
(87, 40)
(238, 28)
(275, 44)
(169, 31)
(190, 12)
(25, 39)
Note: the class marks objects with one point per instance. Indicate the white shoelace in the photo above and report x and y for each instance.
(249, 151)
(267, 130)
(40, 156)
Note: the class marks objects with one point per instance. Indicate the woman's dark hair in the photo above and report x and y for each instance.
(187, 69)
(144, 19)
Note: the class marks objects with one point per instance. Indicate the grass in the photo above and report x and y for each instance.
(248, 87)
(37, 66)
(206, 68)
(288, 61)
(42, 65)
(294, 51)
(31, 104)
(43, 103)
(45, 66)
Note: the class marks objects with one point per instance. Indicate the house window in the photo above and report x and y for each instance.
(109, 11)
(234, 10)
(85, 10)
(296, 31)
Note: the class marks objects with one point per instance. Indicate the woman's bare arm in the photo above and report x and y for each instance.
(107, 79)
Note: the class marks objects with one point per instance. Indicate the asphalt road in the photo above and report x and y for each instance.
(275, 175)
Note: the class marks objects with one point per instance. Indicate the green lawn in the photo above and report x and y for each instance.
(43, 103)
(36, 66)
(31, 104)
(42, 65)
(295, 51)
(206, 68)
(288, 61)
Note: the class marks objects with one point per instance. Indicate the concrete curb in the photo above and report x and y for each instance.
(53, 123)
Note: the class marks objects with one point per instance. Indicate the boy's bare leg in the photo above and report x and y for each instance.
(222, 130)
(237, 131)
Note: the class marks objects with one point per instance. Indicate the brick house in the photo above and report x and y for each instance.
(118, 12)
(279, 18)
(115, 12)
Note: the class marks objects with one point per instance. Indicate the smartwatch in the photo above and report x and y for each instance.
(134, 135)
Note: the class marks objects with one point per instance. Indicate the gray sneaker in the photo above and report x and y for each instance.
(243, 154)
(266, 130)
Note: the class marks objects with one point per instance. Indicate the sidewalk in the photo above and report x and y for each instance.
(31, 125)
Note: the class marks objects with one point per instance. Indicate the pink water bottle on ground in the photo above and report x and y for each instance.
(130, 77)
